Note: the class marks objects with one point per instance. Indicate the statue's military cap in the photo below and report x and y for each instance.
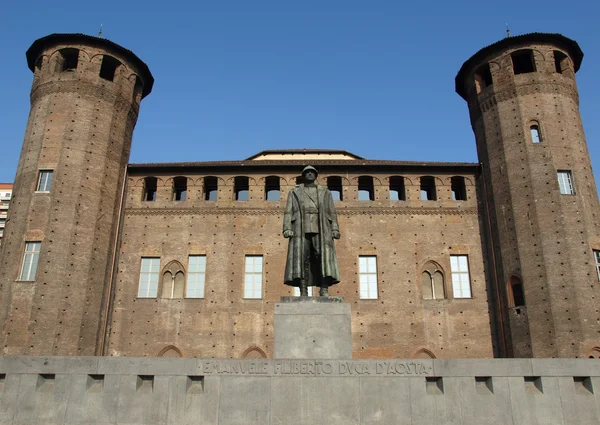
(310, 168)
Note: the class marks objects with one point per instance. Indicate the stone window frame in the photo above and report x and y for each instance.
(179, 190)
(566, 185)
(430, 188)
(461, 277)
(429, 267)
(212, 183)
(596, 255)
(458, 188)
(173, 268)
(31, 257)
(367, 287)
(535, 132)
(397, 184)
(44, 181)
(523, 61)
(193, 273)
(146, 285)
(253, 278)
(239, 187)
(146, 188)
(108, 67)
(270, 187)
(510, 290)
(334, 188)
(365, 185)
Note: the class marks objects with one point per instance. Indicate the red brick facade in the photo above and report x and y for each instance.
(505, 220)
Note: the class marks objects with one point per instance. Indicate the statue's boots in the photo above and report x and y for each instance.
(324, 291)
(303, 290)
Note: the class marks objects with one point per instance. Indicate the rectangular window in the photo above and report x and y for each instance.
(30, 260)
(44, 181)
(196, 276)
(149, 277)
(367, 274)
(565, 183)
(597, 261)
(461, 284)
(253, 276)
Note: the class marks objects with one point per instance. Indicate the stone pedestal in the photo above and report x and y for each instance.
(312, 328)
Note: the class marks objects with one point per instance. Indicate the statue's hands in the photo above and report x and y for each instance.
(288, 233)
(335, 234)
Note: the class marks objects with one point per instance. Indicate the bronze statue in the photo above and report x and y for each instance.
(310, 223)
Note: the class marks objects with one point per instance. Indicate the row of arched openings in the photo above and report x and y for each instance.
(272, 188)
(523, 62)
(67, 60)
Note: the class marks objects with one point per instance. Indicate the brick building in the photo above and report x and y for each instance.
(497, 259)
(5, 195)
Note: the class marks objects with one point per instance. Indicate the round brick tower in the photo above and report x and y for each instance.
(57, 254)
(538, 192)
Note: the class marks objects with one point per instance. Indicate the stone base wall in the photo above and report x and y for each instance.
(111, 390)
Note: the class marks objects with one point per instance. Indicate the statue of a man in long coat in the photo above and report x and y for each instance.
(310, 223)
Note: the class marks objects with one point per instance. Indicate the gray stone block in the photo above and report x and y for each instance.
(244, 401)
(482, 367)
(565, 367)
(530, 406)
(330, 401)
(25, 364)
(385, 401)
(190, 407)
(578, 402)
(312, 331)
(147, 366)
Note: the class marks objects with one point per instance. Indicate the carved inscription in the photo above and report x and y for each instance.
(315, 367)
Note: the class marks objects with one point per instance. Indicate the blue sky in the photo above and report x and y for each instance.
(375, 78)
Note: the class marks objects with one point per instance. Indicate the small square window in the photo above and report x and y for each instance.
(44, 181)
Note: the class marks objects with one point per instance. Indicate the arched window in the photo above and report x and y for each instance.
(241, 188)
(534, 131)
(150, 189)
(138, 89)
(180, 188)
(334, 184)
(432, 282)
(516, 297)
(397, 189)
(170, 351)
(109, 67)
(67, 60)
(428, 192)
(173, 280)
(483, 77)
(523, 61)
(561, 61)
(595, 353)
(254, 352)
(459, 190)
(366, 191)
(210, 188)
(424, 353)
(272, 189)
